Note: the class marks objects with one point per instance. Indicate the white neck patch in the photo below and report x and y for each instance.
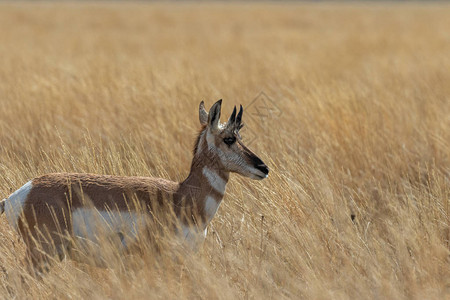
(216, 182)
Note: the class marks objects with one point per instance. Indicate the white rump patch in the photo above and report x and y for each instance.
(216, 182)
(91, 224)
(15, 202)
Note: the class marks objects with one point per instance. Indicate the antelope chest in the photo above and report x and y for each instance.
(211, 207)
(192, 236)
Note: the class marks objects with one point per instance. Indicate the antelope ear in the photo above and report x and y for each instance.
(202, 114)
(214, 115)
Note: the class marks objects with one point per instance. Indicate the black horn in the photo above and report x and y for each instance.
(232, 117)
(239, 117)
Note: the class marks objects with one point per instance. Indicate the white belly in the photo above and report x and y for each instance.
(93, 225)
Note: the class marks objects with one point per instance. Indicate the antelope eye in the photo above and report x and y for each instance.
(229, 140)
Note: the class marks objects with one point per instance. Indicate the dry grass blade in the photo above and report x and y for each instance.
(357, 123)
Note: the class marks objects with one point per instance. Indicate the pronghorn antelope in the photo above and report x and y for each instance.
(52, 204)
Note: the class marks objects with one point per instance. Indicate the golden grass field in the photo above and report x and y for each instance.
(359, 124)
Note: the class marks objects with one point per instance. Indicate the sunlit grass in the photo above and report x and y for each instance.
(363, 92)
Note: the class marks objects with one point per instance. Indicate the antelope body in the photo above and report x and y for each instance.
(70, 202)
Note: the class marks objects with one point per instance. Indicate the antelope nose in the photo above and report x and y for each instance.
(263, 168)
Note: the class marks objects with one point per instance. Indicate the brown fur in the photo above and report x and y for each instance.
(58, 194)
(197, 140)
(48, 207)
(105, 191)
(53, 198)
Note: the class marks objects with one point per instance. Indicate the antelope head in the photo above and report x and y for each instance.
(223, 143)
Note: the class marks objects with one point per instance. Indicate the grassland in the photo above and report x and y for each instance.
(359, 125)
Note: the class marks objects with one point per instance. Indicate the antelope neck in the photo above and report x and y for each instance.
(206, 179)
(206, 183)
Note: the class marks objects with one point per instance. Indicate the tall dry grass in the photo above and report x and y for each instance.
(364, 96)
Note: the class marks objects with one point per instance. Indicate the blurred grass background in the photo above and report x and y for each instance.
(364, 129)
